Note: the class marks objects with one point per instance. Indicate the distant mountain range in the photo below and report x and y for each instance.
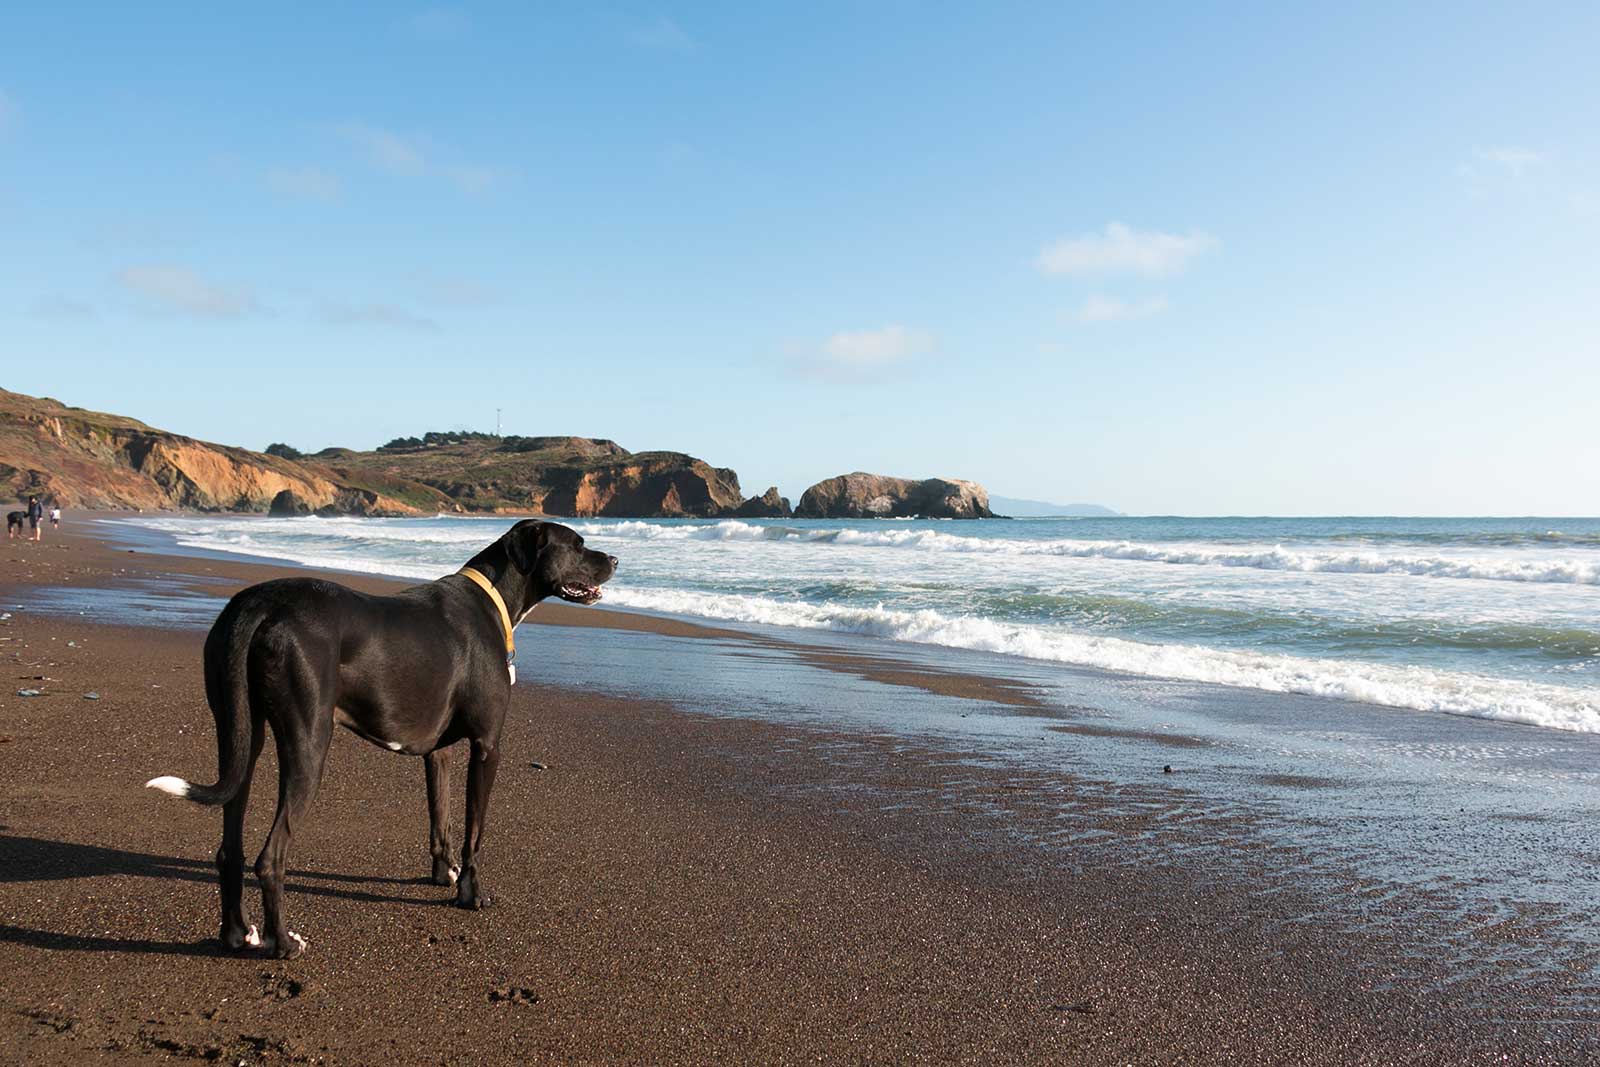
(1018, 507)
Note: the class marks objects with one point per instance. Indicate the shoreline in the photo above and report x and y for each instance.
(696, 875)
(1485, 669)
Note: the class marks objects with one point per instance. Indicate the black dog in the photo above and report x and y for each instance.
(14, 521)
(414, 672)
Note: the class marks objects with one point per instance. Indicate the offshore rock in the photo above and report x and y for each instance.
(876, 496)
(768, 505)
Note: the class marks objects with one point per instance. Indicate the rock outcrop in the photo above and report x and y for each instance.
(88, 459)
(876, 496)
(664, 484)
(768, 505)
(575, 477)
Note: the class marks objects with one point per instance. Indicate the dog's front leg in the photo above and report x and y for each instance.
(480, 780)
(437, 763)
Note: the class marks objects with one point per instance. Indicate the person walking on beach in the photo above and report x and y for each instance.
(35, 516)
(55, 516)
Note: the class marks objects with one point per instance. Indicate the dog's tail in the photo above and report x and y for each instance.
(227, 655)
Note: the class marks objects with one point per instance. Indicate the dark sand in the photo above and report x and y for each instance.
(674, 888)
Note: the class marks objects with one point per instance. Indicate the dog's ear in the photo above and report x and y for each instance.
(524, 542)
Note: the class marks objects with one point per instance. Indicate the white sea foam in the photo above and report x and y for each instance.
(975, 592)
(1275, 558)
(1506, 568)
(1404, 687)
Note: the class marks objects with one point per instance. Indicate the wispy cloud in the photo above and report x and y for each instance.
(436, 24)
(660, 33)
(180, 289)
(1518, 162)
(342, 313)
(1531, 177)
(1120, 249)
(416, 156)
(1099, 308)
(61, 308)
(857, 356)
(384, 149)
(310, 183)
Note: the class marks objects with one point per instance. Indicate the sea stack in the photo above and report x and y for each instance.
(876, 496)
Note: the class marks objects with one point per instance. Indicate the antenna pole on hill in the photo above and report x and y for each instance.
(497, 422)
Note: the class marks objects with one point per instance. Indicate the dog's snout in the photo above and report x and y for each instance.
(613, 561)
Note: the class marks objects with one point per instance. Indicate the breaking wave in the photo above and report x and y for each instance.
(1418, 688)
(1276, 558)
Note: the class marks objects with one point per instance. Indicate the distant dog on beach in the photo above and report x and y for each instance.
(14, 521)
(414, 673)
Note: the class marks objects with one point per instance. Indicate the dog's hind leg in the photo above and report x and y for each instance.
(236, 933)
(480, 780)
(437, 763)
(302, 752)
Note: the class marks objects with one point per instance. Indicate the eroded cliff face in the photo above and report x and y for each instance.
(87, 459)
(667, 485)
(207, 478)
(876, 496)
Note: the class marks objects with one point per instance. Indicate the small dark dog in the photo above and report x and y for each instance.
(414, 672)
(14, 521)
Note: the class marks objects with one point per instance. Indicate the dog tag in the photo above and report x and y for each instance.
(511, 669)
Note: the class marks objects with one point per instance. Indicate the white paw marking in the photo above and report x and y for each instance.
(169, 784)
(270, 944)
(394, 746)
(455, 872)
(253, 937)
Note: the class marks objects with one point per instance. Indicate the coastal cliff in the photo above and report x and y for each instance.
(89, 459)
(572, 476)
(876, 496)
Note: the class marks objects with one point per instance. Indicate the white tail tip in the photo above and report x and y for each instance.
(169, 784)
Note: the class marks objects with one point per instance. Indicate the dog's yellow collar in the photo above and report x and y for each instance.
(500, 605)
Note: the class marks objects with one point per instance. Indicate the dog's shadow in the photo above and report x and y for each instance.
(34, 859)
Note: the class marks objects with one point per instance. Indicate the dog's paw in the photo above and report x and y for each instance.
(444, 873)
(471, 898)
(235, 938)
(291, 947)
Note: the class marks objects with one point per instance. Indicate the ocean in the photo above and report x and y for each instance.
(1491, 618)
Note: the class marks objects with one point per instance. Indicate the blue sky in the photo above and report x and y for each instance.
(1249, 259)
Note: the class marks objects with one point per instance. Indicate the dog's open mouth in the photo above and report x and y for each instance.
(579, 594)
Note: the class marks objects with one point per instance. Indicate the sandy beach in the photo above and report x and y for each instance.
(674, 885)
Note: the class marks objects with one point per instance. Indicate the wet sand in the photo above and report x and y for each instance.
(671, 886)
